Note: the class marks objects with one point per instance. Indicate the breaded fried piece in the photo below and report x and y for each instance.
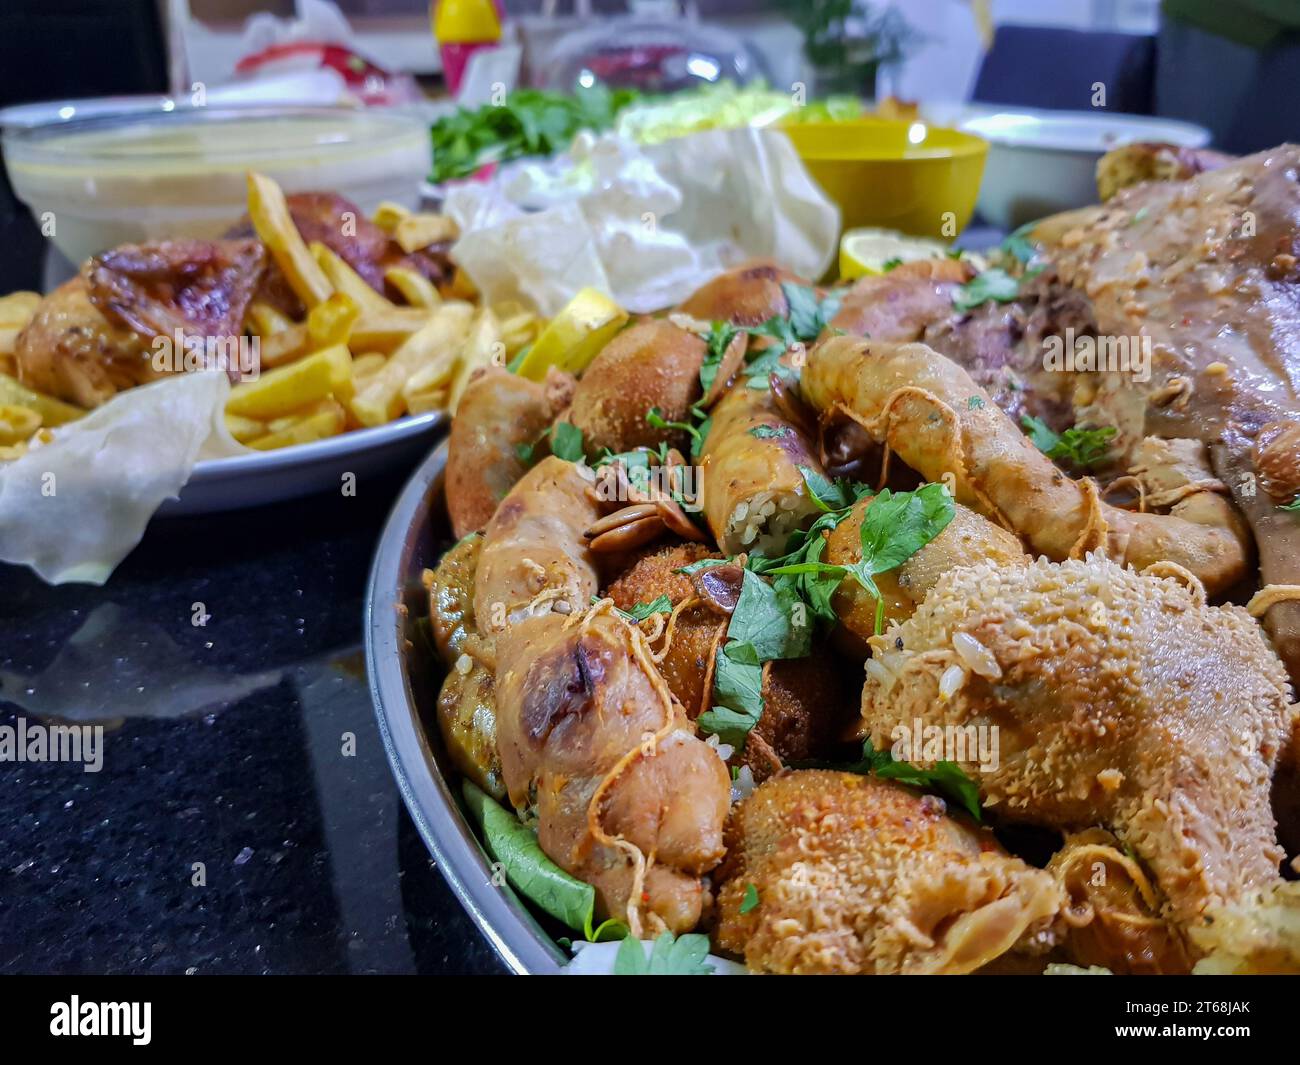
(807, 706)
(859, 875)
(1122, 700)
(748, 295)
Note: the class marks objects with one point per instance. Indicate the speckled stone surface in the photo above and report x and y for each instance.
(224, 744)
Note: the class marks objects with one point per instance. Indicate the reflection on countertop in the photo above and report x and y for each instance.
(244, 820)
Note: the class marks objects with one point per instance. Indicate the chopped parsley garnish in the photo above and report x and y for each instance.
(1293, 506)
(721, 334)
(697, 428)
(566, 442)
(1082, 447)
(680, 956)
(659, 605)
(946, 779)
(771, 432)
(1018, 245)
(750, 899)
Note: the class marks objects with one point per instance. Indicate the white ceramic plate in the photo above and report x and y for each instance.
(293, 472)
(1041, 162)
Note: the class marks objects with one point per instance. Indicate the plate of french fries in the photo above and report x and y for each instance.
(359, 381)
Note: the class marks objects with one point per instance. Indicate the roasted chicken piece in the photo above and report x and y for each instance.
(1121, 700)
(858, 875)
(200, 288)
(93, 336)
(71, 351)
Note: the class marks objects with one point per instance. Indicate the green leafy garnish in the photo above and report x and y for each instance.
(896, 526)
(721, 334)
(1018, 245)
(660, 605)
(890, 264)
(530, 122)
(809, 316)
(697, 427)
(566, 442)
(1293, 506)
(946, 779)
(1083, 447)
(530, 872)
(750, 900)
(680, 956)
(771, 432)
(993, 284)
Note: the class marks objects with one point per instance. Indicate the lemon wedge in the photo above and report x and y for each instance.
(574, 336)
(869, 251)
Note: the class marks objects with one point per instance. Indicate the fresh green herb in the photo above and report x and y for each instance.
(1293, 506)
(531, 873)
(681, 956)
(514, 364)
(1018, 245)
(809, 315)
(530, 122)
(1083, 447)
(890, 264)
(704, 563)
(771, 432)
(896, 526)
(946, 779)
(1138, 215)
(750, 899)
(808, 318)
(993, 284)
(974, 403)
(721, 334)
(828, 495)
(660, 605)
(566, 442)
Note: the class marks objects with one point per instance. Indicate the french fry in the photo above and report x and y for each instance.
(265, 320)
(415, 288)
(420, 402)
(287, 421)
(17, 424)
(431, 352)
(18, 308)
(285, 346)
(479, 350)
(365, 365)
(9, 338)
(331, 322)
(282, 390)
(345, 279)
(52, 411)
(417, 231)
(274, 225)
(244, 429)
(317, 426)
(388, 214)
(386, 332)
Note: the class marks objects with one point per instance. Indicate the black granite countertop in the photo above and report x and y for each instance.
(224, 744)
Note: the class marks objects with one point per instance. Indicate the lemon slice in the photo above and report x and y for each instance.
(869, 251)
(574, 336)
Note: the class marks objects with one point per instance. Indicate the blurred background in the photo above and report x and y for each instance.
(1222, 64)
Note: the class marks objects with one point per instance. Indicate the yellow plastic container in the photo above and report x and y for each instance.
(911, 176)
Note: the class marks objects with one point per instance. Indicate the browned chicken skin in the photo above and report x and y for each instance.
(858, 875)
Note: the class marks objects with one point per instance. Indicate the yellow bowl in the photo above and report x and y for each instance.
(911, 176)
